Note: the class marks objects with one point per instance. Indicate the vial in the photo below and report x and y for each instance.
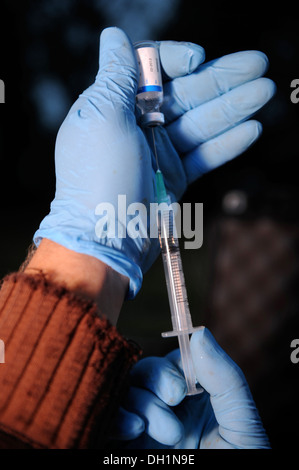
(149, 96)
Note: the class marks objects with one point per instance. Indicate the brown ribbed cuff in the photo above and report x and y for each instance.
(65, 367)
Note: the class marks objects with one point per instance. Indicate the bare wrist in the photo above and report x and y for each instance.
(82, 274)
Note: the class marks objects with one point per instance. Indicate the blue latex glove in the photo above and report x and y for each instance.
(157, 409)
(101, 152)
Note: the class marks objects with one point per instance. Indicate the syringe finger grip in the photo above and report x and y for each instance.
(170, 334)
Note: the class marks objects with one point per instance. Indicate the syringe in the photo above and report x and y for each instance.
(175, 281)
(149, 99)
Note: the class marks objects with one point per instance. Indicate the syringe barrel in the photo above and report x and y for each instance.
(177, 294)
(174, 275)
(175, 281)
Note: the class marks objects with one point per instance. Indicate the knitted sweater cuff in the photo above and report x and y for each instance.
(65, 367)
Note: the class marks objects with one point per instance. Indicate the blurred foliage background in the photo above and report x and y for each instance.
(242, 283)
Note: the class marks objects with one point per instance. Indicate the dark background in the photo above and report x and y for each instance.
(49, 54)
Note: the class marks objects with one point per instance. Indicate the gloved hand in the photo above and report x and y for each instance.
(157, 409)
(101, 152)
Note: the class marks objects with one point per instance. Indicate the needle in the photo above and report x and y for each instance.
(155, 150)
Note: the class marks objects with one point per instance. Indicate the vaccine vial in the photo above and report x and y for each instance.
(149, 96)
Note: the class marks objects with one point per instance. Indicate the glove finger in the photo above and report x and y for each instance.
(127, 426)
(211, 80)
(233, 405)
(180, 58)
(217, 116)
(225, 147)
(117, 77)
(161, 377)
(160, 421)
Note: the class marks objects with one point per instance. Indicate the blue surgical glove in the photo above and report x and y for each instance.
(102, 153)
(157, 413)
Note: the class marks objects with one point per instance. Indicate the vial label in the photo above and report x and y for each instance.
(149, 70)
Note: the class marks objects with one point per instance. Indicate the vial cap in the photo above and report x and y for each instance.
(152, 119)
